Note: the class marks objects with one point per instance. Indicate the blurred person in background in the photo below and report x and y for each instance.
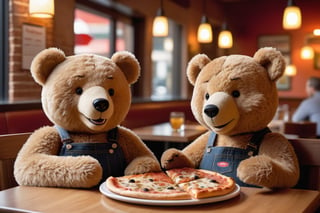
(309, 109)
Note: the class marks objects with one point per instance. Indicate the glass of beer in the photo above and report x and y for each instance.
(176, 120)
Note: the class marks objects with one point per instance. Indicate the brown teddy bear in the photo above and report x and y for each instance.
(235, 97)
(86, 96)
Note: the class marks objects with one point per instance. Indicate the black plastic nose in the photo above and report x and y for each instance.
(101, 104)
(211, 110)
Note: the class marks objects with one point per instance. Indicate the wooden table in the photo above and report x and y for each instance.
(42, 199)
(163, 132)
(160, 137)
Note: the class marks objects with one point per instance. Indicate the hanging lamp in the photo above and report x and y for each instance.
(204, 31)
(290, 70)
(160, 23)
(306, 52)
(225, 38)
(41, 8)
(316, 32)
(291, 16)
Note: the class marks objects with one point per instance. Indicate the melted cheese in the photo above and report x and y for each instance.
(199, 184)
(148, 185)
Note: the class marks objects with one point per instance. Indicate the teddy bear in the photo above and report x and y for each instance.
(235, 97)
(86, 97)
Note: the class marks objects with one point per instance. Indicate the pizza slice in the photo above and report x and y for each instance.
(202, 183)
(156, 185)
(182, 175)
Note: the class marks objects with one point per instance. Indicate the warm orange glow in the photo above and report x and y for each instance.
(41, 8)
(316, 32)
(290, 70)
(291, 18)
(225, 39)
(307, 53)
(160, 26)
(204, 33)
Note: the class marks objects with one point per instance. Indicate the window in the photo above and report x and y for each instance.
(166, 64)
(98, 33)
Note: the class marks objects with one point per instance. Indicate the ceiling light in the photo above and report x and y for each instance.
(316, 32)
(291, 16)
(41, 8)
(225, 38)
(290, 70)
(306, 53)
(160, 23)
(204, 31)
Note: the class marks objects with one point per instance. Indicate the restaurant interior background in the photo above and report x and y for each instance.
(252, 22)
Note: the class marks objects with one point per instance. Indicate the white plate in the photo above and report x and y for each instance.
(104, 190)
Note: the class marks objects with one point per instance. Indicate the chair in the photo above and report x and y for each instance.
(9, 147)
(302, 129)
(308, 153)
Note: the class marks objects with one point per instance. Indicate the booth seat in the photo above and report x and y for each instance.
(140, 114)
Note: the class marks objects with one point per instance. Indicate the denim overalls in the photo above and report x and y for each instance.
(109, 154)
(225, 160)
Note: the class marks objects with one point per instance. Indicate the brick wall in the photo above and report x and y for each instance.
(59, 33)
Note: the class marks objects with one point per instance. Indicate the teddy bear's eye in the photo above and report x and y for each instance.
(111, 92)
(235, 93)
(79, 91)
(207, 96)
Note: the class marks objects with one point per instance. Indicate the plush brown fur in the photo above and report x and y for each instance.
(61, 77)
(254, 78)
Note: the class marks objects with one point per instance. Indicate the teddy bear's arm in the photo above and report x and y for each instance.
(188, 157)
(275, 166)
(139, 157)
(37, 163)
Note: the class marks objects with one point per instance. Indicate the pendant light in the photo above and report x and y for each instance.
(316, 32)
(41, 8)
(307, 52)
(291, 16)
(160, 23)
(225, 38)
(204, 30)
(290, 70)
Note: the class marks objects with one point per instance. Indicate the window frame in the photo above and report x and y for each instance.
(113, 15)
(4, 58)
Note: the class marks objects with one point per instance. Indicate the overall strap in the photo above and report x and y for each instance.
(211, 141)
(112, 135)
(64, 135)
(254, 143)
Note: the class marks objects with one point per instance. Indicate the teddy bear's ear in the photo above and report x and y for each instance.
(195, 65)
(44, 62)
(272, 60)
(128, 64)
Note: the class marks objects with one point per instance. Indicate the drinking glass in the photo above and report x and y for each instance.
(176, 120)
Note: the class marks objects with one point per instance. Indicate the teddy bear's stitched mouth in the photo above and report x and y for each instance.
(223, 125)
(99, 121)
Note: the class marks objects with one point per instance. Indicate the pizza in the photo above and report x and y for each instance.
(174, 184)
(201, 183)
(157, 186)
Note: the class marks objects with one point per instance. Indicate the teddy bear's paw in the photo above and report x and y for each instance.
(256, 171)
(86, 173)
(173, 158)
(142, 165)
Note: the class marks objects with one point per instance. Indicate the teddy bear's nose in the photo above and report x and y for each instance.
(101, 104)
(211, 110)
